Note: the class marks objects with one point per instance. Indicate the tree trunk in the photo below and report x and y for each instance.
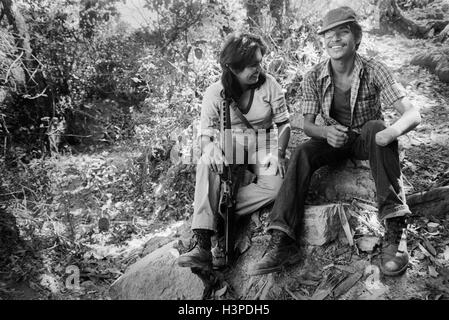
(391, 19)
(444, 35)
(437, 61)
(277, 12)
(434, 202)
(253, 12)
(20, 28)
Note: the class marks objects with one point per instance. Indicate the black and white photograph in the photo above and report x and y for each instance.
(234, 157)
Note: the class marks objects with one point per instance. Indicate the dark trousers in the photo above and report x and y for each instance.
(288, 210)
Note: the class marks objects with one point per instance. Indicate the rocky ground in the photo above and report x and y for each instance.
(338, 270)
(333, 271)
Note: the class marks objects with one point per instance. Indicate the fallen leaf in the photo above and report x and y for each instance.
(345, 224)
(349, 269)
(427, 253)
(432, 226)
(327, 285)
(243, 244)
(347, 284)
(367, 243)
(433, 272)
(221, 292)
(446, 253)
(418, 255)
(255, 217)
(429, 247)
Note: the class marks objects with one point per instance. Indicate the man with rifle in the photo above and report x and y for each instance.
(247, 104)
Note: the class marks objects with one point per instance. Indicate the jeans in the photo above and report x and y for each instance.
(288, 210)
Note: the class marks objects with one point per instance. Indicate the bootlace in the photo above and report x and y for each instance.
(277, 239)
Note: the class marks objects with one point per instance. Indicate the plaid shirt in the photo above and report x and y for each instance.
(372, 83)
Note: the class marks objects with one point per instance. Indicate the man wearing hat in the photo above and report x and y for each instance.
(346, 90)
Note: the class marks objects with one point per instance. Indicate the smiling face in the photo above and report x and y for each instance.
(340, 42)
(250, 74)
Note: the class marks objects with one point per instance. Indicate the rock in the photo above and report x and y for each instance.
(157, 277)
(419, 255)
(367, 243)
(436, 61)
(321, 224)
(154, 244)
(442, 71)
(343, 182)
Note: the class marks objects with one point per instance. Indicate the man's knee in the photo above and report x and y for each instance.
(301, 154)
(374, 126)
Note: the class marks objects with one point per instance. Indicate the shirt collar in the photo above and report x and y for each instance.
(359, 67)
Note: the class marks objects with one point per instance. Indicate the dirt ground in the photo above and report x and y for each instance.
(424, 154)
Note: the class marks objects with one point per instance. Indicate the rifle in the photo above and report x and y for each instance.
(229, 186)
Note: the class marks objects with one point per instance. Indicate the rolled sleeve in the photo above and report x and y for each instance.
(277, 101)
(310, 99)
(209, 120)
(390, 89)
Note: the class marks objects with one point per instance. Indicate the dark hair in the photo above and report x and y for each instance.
(237, 53)
(356, 30)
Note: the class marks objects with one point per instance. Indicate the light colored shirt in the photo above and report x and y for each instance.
(268, 100)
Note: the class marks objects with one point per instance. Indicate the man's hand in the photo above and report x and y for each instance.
(213, 156)
(387, 136)
(336, 135)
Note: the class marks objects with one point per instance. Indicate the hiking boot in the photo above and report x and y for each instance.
(196, 258)
(200, 255)
(394, 256)
(281, 251)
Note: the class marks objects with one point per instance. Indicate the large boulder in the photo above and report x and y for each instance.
(157, 277)
(343, 182)
(321, 224)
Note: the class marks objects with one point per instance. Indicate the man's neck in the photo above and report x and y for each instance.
(343, 67)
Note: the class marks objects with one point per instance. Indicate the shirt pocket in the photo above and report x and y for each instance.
(368, 108)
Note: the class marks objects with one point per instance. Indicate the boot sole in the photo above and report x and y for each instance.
(194, 264)
(394, 273)
(293, 260)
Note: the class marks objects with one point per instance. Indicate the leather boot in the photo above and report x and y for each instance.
(200, 255)
(281, 251)
(394, 255)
